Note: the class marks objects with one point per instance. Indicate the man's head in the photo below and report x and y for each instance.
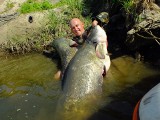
(77, 26)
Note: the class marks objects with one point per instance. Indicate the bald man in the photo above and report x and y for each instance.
(77, 28)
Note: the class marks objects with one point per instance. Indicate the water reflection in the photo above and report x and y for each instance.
(28, 89)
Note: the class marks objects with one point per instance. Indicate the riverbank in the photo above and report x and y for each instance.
(30, 32)
(15, 28)
(34, 30)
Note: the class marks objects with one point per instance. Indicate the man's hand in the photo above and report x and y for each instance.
(94, 23)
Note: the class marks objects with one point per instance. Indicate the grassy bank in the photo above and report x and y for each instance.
(58, 18)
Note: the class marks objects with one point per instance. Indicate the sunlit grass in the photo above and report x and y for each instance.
(34, 5)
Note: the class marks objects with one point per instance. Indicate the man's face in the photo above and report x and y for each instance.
(77, 27)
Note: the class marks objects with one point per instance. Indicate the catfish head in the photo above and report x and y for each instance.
(98, 37)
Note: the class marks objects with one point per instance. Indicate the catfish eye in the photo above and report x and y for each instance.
(94, 42)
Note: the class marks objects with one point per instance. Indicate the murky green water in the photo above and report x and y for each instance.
(28, 90)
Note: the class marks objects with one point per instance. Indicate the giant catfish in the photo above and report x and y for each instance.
(84, 72)
(83, 76)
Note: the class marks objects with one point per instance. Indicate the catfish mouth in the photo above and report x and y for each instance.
(97, 37)
(92, 35)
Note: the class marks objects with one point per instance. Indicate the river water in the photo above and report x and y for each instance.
(28, 90)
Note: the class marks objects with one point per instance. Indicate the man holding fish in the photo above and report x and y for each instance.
(81, 35)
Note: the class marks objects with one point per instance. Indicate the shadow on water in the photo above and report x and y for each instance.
(122, 105)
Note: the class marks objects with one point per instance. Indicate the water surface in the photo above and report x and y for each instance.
(29, 91)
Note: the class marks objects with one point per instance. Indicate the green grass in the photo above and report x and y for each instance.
(128, 5)
(33, 5)
(77, 4)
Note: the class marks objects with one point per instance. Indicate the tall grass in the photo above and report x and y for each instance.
(128, 5)
(77, 4)
(34, 5)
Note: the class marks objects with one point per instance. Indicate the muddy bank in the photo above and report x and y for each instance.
(119, 39)
(23, 33)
